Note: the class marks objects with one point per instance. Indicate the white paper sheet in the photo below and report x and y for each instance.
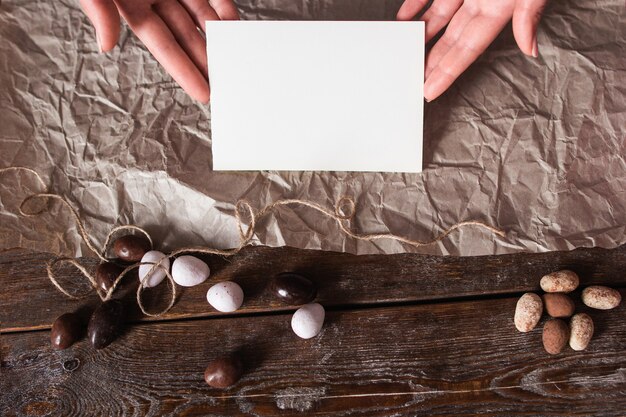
(316, 96)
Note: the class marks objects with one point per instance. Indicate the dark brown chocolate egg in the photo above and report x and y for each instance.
(106, 274)
(131, 248)
(66, 330)
(293, 288)
(224, 372)
(106, 323)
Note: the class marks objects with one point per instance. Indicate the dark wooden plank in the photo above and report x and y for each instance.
(456, 358)
(29, 301)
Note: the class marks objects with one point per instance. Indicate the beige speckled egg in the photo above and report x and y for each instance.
(601, 298)
(528, 312)
(581, 331)
(560, 281)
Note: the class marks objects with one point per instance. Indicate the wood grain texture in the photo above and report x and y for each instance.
(455, 358)
(29, 301)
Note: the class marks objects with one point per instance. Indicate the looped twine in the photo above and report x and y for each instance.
(343, 212)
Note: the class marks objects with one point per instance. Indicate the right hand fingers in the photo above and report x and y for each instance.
(526, 17)
(105, 19)
(439, 15)
(436, 17)
(467, 36)
(410, 9)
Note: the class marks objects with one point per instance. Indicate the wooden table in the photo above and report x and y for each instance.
(405, 335)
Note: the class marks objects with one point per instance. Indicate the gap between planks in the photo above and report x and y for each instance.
(290, 310)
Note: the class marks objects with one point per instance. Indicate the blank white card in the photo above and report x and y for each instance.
(316, 96)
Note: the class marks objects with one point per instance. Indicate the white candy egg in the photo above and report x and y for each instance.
(225, 296)
(308, 320)
(189, 271)
(158, 275)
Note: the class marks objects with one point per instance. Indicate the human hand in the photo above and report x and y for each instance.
(169, 29)
(472, 26)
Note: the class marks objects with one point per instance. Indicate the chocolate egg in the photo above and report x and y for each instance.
(555, 336)
(106, 274)
(66, 330)
(558, 305)
(106, 323)
(224, 372)
(131, 248)
(293, 288)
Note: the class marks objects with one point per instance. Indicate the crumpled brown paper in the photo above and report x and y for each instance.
(534, 146)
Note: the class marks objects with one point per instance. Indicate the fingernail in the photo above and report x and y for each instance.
(427, 92)
(535, 50)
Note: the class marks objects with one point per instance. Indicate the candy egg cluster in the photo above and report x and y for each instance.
(107, 320)
(557, 333)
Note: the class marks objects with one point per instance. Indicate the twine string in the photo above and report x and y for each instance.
(79, 224)
(148, 275)
(343, 212)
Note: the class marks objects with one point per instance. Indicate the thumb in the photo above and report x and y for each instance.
(526, 17)
(105, 19)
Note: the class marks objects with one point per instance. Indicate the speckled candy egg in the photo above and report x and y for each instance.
(308, 320)
(225, 296)
(560, 281)
(528, 312)
(158, 275)
(581, 331)
(601, 297)
(189, 271)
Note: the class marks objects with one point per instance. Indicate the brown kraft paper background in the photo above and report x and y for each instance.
(533, 146)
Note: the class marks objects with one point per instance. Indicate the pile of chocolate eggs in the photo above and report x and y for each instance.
(107, 320)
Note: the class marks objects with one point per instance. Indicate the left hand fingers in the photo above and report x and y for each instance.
(200, 11)
(185, 32)
(225, 9)
(446, 62)
(162, 44)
